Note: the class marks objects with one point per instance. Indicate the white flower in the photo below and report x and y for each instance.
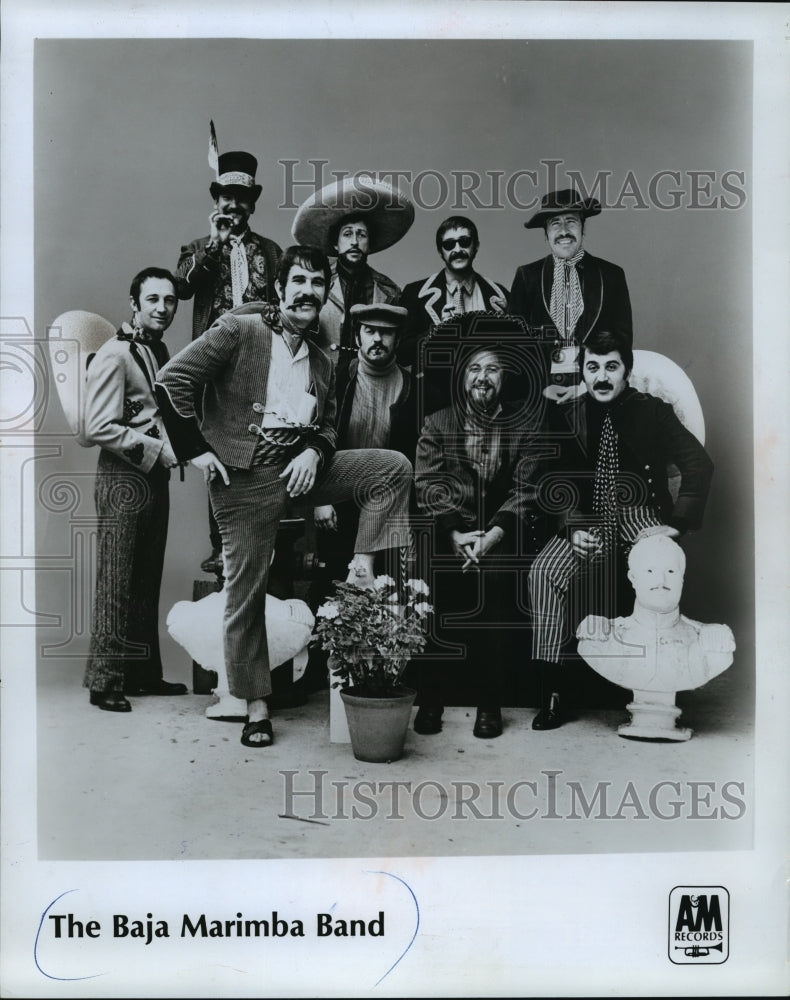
(328, 611)
(383, 581)
(422, 609)
(418, 586)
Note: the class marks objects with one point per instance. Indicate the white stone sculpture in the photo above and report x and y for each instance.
(656, 651)
(197, 626)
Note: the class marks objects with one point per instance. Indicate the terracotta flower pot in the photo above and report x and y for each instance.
(378, 725)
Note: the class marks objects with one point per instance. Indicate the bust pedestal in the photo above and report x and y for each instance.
(654, 716)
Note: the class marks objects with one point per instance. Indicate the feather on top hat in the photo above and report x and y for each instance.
(389, 211)
(559, 202)
(234, 170)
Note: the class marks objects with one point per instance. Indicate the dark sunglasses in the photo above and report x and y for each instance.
(463, 241)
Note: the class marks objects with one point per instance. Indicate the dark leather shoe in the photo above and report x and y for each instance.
(213, 563)
(550, 716)
(488, 723)
(428, 720)
(158, 687)
(110, 701)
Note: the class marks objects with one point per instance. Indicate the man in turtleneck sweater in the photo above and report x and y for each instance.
(377, 408)
(614, 447)
(350, 220)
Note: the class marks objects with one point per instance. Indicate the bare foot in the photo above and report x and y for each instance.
(257, 711)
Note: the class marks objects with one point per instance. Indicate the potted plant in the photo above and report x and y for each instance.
(370, 636)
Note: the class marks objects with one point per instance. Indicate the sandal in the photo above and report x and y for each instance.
(263, 726)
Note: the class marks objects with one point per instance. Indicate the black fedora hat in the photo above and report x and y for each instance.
(559, 202)
(236, 170)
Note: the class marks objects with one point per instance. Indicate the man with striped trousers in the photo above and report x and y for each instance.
(613, 446)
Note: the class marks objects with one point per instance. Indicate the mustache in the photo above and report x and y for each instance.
(304, 300)
(459, 255)
(603, 385)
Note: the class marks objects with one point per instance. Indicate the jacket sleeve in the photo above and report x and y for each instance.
(437, 489)
(518, 300)
(181, 381)
(622, 319)
(106, 422)
(520, 503)
(696, 469)
(198, 267)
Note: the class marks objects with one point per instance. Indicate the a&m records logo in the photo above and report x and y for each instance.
(699, 925)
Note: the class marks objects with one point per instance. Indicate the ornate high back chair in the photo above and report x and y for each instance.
(660, 376)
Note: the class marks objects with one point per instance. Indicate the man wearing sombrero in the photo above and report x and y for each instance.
(232, 265)
(569, 294)
(351, 220)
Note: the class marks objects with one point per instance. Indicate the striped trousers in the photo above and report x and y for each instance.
(132, 508)
(248, 513)
(554, 570)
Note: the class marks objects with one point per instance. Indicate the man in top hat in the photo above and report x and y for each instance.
(377, 408)
(232, 265)
(350, 221)
(455, 290)
(569, 294)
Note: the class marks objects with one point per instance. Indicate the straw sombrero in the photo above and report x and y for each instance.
(389, 211)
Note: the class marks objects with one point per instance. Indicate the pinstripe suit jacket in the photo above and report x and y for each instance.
(229, 366)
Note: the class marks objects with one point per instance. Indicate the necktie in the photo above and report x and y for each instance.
(239, 274)
(605, 485)
(567, 303)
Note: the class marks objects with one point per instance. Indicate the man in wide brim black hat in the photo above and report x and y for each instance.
(349, 220)
(569, 294)
(557, 202)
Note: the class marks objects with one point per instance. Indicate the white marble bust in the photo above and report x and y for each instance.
(656, 649)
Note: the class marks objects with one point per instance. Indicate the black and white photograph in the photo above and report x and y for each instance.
(394, 487)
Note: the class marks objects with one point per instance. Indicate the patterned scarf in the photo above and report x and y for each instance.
(239, 272)
(567, 303)
(605, 485)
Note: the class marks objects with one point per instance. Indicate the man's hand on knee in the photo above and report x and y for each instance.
(301, 472)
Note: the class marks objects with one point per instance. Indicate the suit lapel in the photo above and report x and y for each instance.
(433, 295)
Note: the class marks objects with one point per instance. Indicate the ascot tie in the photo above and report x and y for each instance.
(239, 273)
(605, 485)
(567, 303)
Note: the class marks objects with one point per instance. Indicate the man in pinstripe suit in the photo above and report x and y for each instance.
(267, 434)
(614, 446)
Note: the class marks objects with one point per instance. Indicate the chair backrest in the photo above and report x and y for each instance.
(74, 337)
(657, 374)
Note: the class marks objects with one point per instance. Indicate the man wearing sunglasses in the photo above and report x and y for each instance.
(455, 290)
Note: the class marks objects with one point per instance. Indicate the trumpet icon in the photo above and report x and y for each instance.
(698, 951)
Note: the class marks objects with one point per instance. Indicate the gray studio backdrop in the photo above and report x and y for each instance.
(121, 181)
